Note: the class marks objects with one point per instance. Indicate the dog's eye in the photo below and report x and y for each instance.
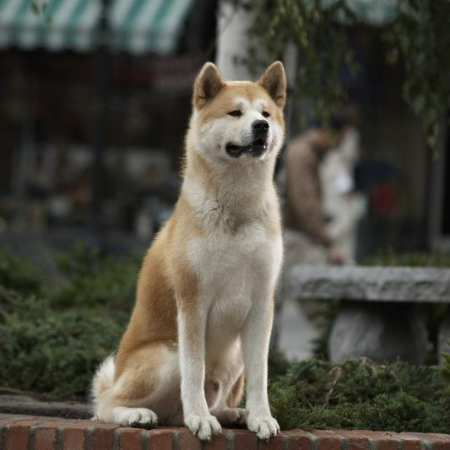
(265, 114)
(235, 113)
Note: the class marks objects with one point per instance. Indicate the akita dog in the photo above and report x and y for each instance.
(204, 307)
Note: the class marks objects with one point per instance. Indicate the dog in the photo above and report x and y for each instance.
(205, 293)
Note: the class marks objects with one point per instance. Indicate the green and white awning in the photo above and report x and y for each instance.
(137, 26)
(374, 12)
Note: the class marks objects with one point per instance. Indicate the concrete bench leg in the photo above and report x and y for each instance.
(444, 336)
(380, 331)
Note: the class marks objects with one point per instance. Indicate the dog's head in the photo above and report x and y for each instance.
(238, 121)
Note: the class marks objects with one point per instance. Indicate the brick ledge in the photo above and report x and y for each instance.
(46, 433)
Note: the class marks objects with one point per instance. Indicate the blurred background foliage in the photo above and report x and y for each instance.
(416, 39)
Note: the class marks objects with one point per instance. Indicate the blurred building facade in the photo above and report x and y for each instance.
(49, 56)
(50, 104)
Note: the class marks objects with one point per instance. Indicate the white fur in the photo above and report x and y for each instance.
(213, 136)
(126, 416)
(102, 383)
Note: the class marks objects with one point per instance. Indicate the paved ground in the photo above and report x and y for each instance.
(296, 332)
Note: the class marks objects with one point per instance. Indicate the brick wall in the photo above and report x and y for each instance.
(45, 433)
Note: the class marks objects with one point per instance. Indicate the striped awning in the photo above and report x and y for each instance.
(137, 26)
(373, 12)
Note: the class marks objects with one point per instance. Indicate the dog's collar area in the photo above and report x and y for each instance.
(256, 148)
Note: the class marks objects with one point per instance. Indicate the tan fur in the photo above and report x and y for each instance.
(183, 329)
(236, 393)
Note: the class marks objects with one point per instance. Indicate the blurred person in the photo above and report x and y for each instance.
(342, 204)
(307, 240)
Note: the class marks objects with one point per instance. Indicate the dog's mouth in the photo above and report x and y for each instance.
(256, 148)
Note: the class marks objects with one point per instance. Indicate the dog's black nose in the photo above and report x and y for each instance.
(260, 127)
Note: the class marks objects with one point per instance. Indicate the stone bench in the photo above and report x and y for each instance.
(377, 317)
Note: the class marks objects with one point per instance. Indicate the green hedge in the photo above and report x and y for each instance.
(316, 394)
(54, 333)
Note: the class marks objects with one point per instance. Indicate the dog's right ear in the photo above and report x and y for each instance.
(207, 84)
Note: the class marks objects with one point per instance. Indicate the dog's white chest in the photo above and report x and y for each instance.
(234, 270)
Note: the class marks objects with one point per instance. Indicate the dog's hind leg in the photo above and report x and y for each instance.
(229, 414)
(137, 395)
(235, 396)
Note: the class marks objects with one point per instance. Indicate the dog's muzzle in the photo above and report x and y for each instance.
(256, 148)
(260, 131)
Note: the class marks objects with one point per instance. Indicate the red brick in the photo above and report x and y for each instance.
(440, 441)
(274, 443)
(355, 439)
(17, 437)
(73, 439)
(28, 422)
(433, 437)
(442, 445)
(187, 441)
(438, 436)
(44, 438)
(298, 440)
(328, 440)
(219, 442)
(74, 434)
(161, 439)
(10, 419)
(410, 442)
(244, 440)
(102, 437)
(383, 440)
(131, 438)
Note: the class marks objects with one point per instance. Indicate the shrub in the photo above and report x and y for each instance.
(55, 352)
(359, 394)
(17, 275)
(53, 335)
(389, 257)
(93, 281)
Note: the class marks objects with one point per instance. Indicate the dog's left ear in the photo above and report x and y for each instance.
(207, 84)
(274, 82)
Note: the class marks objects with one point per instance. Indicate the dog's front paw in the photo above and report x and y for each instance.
(203, 426)
(135, 417)
(264, 427)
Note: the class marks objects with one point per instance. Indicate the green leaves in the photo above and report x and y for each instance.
(389, 257)
(322, 48)
(445, 368)
(418, 39)
(421, 37)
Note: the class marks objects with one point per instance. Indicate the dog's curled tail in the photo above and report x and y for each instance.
(102, 383)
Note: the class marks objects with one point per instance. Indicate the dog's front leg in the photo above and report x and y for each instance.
(255, 346)
(191, 337)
